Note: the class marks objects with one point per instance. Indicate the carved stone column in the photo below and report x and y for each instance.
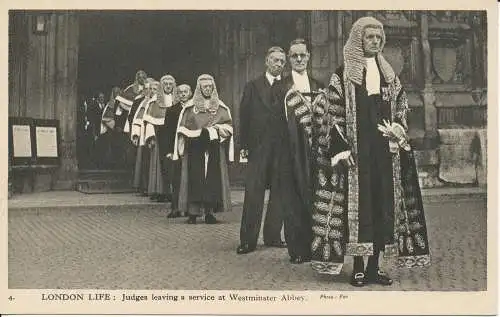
(479, 76)
(428, 93)
(67, 33)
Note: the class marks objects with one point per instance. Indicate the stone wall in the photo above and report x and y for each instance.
(43, 85)
(440, 57)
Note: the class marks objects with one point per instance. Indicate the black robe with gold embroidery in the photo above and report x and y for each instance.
(376, 203)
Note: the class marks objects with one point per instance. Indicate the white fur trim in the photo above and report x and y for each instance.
(178, 147)
(124, 101)
(136, 131)
(156, 121)
(213, 134)
(149, 131)
(231, 140)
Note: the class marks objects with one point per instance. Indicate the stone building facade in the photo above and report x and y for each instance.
(441, 57)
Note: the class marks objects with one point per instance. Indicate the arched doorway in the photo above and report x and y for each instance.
(115, 44)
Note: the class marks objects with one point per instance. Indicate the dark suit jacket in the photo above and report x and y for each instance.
(260, 120)
(94, 115)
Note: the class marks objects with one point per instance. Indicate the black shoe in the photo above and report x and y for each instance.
(210, 219)
(244, 249)
(378, 277)
(358, 279)
(191, 220)
(278, 244)
(299, 259)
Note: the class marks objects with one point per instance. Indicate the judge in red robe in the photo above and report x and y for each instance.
(129, 100)
(154, 120)
(204, 142)
(137, 135)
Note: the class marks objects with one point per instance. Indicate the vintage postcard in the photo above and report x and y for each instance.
(286, 157)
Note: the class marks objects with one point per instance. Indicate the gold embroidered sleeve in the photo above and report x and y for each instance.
(336, 110)
(402, 108)
(297, 107)
(330, 120)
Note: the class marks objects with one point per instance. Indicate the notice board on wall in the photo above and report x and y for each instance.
(21, 145)
(33, 142)
(47, 141)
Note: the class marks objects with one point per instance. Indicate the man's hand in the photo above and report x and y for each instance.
(152, 143)
(244, 153)
(396, 135)
(135, 140)
(345, 157)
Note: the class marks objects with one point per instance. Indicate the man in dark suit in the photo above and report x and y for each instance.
(260, 139)
(296, 172)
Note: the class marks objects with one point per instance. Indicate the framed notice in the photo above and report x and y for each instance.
(21, 145)
(47, 141)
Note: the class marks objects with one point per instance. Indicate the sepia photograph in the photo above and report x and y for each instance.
(267, 152)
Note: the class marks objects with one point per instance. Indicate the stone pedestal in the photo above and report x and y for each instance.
(457, 156)
(428, 168)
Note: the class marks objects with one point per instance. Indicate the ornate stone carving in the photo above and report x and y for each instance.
(398, 54)
(451, 62)
(444, 62)
(320, 56)
(394, 55)
(319, 32)
(480, 96)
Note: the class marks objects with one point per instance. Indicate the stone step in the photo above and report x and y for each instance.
(104, 186)
(104, 174)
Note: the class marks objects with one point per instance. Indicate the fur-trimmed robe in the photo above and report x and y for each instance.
(206, 183)
(342, 222)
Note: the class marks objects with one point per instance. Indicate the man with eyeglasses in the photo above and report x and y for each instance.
(261, 132)
(296, 170)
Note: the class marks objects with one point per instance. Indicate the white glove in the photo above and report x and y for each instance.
(343, 156)
(396, 135)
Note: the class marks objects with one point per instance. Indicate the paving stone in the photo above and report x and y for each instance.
(131, 247)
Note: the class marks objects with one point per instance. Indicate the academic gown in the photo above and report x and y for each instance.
(141, 169)
(154, 118)
(295, 169)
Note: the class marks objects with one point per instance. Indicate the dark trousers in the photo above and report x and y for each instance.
(298, 221)
(172, 179)
(263, 171)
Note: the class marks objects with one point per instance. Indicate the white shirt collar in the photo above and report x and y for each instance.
(168, 100)
(301, 81)
(271, 78)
